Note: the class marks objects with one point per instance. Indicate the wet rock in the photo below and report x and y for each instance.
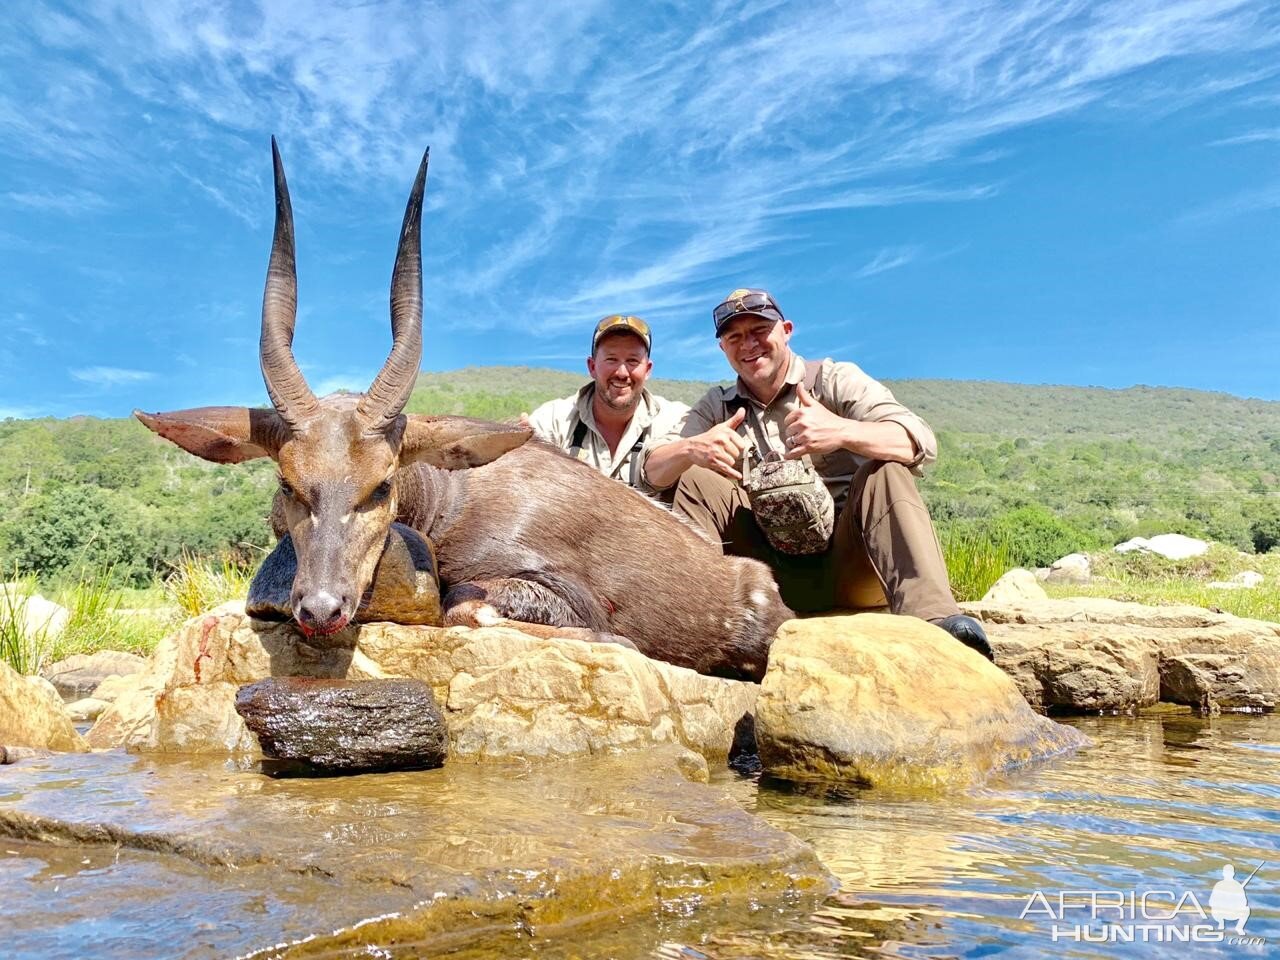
(87, 709)
(405, 586)
(193, 856)
(346, 726)
(109, 689)
(893, 701)
(1018, 585)
(1089, 654)
(1212, 683)
(503, 693)
(32, 715)
(78, 676)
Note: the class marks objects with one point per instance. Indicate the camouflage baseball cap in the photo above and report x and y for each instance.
(746, 302)
(618, 323)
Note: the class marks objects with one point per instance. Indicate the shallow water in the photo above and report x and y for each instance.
(1157, 804)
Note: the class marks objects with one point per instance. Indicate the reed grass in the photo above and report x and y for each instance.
(199, 584)
(24, 653)
(975, 561)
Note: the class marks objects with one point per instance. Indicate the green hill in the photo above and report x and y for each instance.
(1052, 468)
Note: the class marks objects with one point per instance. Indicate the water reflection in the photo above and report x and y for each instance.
(1159, 803)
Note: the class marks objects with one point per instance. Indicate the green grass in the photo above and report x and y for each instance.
(975, 561)
(23, 653)
(100, 620)
(1151, 579)
(198, 584)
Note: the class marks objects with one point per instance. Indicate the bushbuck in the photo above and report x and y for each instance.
(521, 531)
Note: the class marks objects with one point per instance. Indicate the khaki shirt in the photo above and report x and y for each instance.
(843, 389)
(557, 420)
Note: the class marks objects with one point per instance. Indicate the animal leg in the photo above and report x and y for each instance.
(521, 604)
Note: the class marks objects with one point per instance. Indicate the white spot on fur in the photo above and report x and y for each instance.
(758, 598)
(345, 519)
(487, 616)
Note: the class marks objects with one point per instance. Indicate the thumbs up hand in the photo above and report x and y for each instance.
(720, 447)
(812, 428)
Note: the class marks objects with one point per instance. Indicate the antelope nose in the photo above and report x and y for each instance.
(321, 611)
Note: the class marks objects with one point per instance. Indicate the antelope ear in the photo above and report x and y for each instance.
(456, 443)
(220, 434)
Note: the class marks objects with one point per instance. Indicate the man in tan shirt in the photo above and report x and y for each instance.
(862, 442)
(612, 419)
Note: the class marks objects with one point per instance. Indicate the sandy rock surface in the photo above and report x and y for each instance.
(502, 693)
(1085, 654)
(32, 715)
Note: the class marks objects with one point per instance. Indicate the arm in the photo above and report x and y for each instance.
(870, 422)
(698, 441)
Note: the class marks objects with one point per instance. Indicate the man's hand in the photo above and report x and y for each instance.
(524, 421)
(720, 447)
(812, 428)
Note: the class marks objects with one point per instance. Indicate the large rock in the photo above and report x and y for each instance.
(197, 857)
(1089, 654)
(41, 619)
(345, 726)
(33, 716)
(1073, 568)
(503, 693)
(1016, 586)
(893, 701)
(79, 675)
(1171, 546)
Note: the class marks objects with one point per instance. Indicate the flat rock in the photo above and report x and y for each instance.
(79, 675)
(1018, 585)
(1213, 682)
(406, 589)
(346, 725)
(32, 715)
(198, 857)
(86, 710)
(1086, 654)
(1171, 546)
(893, 701)
(502, 693)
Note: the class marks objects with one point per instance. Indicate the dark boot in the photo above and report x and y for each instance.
(968, 631)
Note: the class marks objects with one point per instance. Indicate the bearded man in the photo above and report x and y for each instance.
(612, 420)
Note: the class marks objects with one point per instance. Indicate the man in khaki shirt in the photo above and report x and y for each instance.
(862, 442)
(610, 422)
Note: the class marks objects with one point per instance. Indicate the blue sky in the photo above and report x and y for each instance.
(1050, 192)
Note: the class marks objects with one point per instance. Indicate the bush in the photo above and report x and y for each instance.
(77, 528)
(1036, 538)
(975, 561)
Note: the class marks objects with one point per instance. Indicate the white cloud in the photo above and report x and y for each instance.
(890, 258)
(110, 376)
(1270, 135)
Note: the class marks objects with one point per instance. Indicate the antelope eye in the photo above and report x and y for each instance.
(380, 492)
(285, 488)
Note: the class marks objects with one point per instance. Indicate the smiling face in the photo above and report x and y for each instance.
(620, 367)
(757, 349)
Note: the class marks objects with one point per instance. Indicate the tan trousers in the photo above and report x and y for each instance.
(884, 551)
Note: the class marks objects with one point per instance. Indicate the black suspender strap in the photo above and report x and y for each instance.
(580, 438)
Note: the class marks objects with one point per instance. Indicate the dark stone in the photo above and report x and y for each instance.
(346, 726)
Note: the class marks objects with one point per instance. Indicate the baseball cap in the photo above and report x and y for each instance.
(618, 323)
(746, 302)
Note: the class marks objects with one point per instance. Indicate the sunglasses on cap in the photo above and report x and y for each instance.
(751, 301)
(618, 323)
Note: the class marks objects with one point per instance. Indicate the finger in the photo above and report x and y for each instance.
(524, 420)
(738, 417)
(794, 416)
(725, 467)
(803, 393)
